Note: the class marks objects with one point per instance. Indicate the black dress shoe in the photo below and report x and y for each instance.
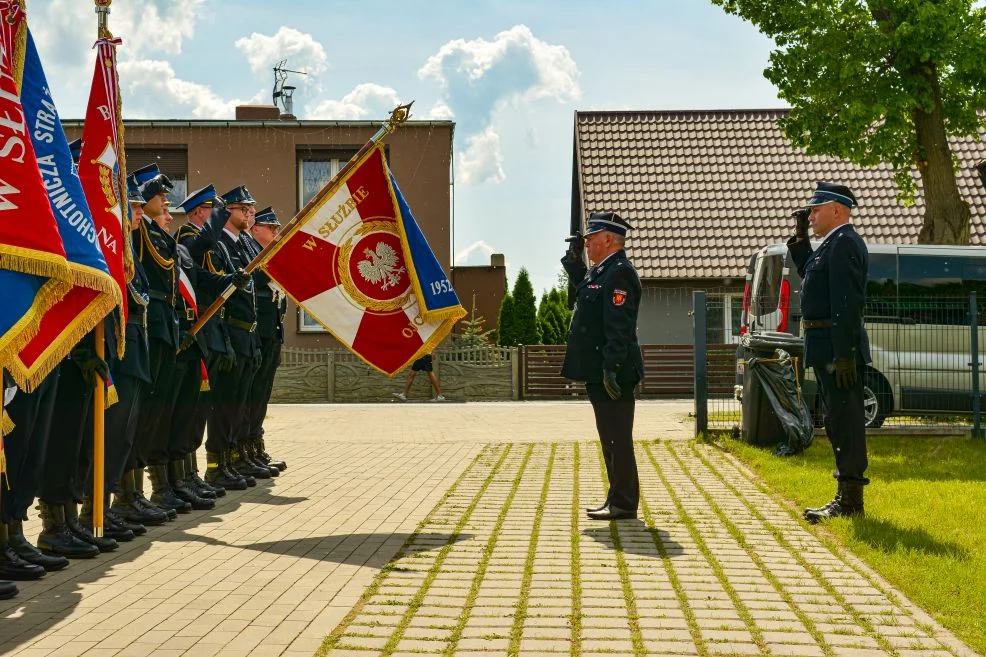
(7, 590)
(596, 509)
(612, 513)
(12, 566)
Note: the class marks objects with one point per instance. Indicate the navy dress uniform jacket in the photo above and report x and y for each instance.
(270, 306)
(230, 254)
(199, 242)
(136, 360)
(603, 333)
(833, 288)
(157, 251)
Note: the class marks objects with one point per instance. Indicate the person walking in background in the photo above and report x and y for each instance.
(423, 364)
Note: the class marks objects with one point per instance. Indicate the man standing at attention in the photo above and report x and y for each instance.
(603, 351)
(833, 293)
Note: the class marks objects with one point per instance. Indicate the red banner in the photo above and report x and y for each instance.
(30, 243)
(350, 266)
(102, 170)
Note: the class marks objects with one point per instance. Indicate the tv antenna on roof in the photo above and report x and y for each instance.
(283, 93)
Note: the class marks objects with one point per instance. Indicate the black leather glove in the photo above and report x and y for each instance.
(226, 362)
(241, 279)
(611, 385)
(845, 372)
(185, 340)
(801, 224)
(90, 364)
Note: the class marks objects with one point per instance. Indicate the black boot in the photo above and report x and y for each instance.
(29, 553)
(266, 458)
(216, 475)
(55, 537)
(126, 506)
(12, 566)
(176, 470)
(815, 511)
(847, 503)
(134, 528)
(103, 543)
(227, 465)
(199, 487)
(8, 590)
(161, 493)
(246, 467)
(111, 529)
(143, 502)
(250, 454)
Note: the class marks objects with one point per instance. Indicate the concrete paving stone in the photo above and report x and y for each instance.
(273, 570)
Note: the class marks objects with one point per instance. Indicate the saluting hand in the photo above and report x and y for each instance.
(801, 223)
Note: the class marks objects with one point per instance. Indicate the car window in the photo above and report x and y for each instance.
(767, 284)
(881, 288)
(931, 291)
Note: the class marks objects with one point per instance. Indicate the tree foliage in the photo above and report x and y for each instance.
(506, 335)
(525, 310)
(474, 331)
(876, 81)
(554, 317)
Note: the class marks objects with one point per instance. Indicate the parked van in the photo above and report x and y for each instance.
(917, 317)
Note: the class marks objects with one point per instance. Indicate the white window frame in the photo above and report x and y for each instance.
(306, 323)
(727, 316)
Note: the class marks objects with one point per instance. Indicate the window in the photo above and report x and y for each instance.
(881, 288)
(173, 162)
(315, 170)
(724, 318)
(931, 290)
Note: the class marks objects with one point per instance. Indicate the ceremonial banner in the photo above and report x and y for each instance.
(94, 292)
(102, 170)
(33, 271)
(187, 293)
(360, 266)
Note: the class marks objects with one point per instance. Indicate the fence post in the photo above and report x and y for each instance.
(330, 377)
(977, 431)
(700, 361)
(514, 373)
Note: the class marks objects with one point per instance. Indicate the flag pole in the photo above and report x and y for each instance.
(99, 400)
(398, 115)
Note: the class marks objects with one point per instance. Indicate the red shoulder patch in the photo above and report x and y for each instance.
(619, 297)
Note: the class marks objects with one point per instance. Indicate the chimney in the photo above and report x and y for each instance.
(257, 113)
(497, 260)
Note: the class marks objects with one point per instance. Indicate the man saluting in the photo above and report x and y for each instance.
(603, 351)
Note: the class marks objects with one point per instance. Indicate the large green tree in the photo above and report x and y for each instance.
(876, 81)
(506, 334)
(554, 317)
(525, 310)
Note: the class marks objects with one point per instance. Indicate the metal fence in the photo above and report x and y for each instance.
(926, 371)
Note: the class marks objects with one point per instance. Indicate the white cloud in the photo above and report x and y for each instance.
(482, 161)
(366, 101)
(479, 77)
(301, 50)
(440, 111)
(150, 89)
(476, 254)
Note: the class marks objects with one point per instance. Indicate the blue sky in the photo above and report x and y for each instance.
(511, 74)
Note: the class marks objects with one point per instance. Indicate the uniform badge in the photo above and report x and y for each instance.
(594, 286)
(619, 297)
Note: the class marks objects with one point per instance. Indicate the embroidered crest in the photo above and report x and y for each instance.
(593, 286)
(619, 297)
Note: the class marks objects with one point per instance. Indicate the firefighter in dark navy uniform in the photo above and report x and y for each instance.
(833, 295)
(603, 351)
(228, 423)
(271, 306)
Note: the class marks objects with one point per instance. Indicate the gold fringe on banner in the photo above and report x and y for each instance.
(108, 297)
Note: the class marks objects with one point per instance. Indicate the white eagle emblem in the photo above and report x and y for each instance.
(380, 266)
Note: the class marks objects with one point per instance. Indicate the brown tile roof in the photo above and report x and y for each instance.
(704, 189)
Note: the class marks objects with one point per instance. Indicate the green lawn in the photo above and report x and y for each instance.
(925, 524)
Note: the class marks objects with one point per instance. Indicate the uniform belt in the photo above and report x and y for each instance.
(190, 314)
(161, 296)
(815, 323)
(246, 326)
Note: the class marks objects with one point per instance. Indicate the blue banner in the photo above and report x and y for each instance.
(435, 294)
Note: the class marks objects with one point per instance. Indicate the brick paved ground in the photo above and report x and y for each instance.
(458, 529)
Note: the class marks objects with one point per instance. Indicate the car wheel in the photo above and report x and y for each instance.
(878, 400)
